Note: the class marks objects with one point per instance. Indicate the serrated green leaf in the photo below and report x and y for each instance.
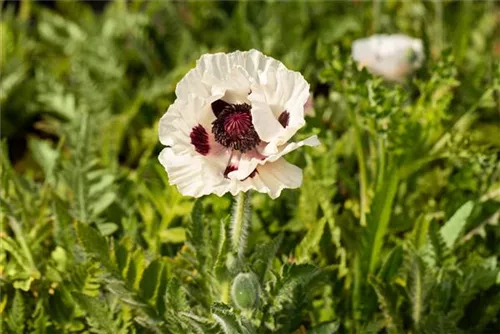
(325, 328)
(417, 289)
(454, 226)
(221, 248)
(151, 279)
(264, 255)
(96, 310)
(63, 230)
(226, 319)
(391, 265)
(17, 314)
(174, 297)
(102, 203)
(45, 155)
(197, 228)
(107, 229)
(173, 235)
(94, 244)
(387, 301)
(311, 241)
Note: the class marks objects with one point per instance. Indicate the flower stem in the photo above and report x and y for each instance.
(240, 223)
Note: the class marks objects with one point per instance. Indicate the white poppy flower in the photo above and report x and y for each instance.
(230, 124)
(391, 56)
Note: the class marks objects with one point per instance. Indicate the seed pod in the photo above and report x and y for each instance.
(245, 291)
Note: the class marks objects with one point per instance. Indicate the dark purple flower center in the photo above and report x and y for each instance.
(233, 126)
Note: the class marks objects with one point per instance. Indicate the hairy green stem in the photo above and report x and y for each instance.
(240, 223)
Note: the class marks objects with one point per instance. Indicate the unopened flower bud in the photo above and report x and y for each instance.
(245, 291)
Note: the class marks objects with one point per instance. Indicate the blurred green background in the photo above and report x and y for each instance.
(83, 86)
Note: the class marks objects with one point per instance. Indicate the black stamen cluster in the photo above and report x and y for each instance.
(237, 117)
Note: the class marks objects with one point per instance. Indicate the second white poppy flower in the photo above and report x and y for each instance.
(392, 56)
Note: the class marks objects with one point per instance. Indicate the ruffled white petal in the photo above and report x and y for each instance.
(278, 175)
(249, 162)
(195, 176)
(181, 117)
(273, 89)
(278, 91)
(187, 173)
(218, 70)
(391, 56)
(264, 120)
(270, 178)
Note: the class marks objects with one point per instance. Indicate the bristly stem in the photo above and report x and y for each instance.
(240, 223)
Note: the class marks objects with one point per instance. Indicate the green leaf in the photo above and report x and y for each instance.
(454, 226)
(174, 298)
(387, 301)
(151, 279)
(417, 289)
(101, 204)
(391, 265)
(24, 285)
(325, 328)
(436, 253)
(378, 219)
(311, 241)
(44, 154)
(86, 279)
(225, 317)
(9, 245)
(221, 249)
(107, 228)
(264, 256)
(17, 314)
(173, 235)
(197, 233)
(95, 245)
(197, 228)
(63, 230)
(96, 310)
(439, 324)
(421, 231)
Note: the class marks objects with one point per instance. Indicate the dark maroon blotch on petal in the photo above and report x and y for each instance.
(252, 174)
(229, 169)
(199, 139)
(284, 118)
(218, 106)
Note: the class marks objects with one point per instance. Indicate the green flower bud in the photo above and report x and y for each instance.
(245, 291)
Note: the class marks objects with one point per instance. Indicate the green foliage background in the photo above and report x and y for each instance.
(395, 229)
